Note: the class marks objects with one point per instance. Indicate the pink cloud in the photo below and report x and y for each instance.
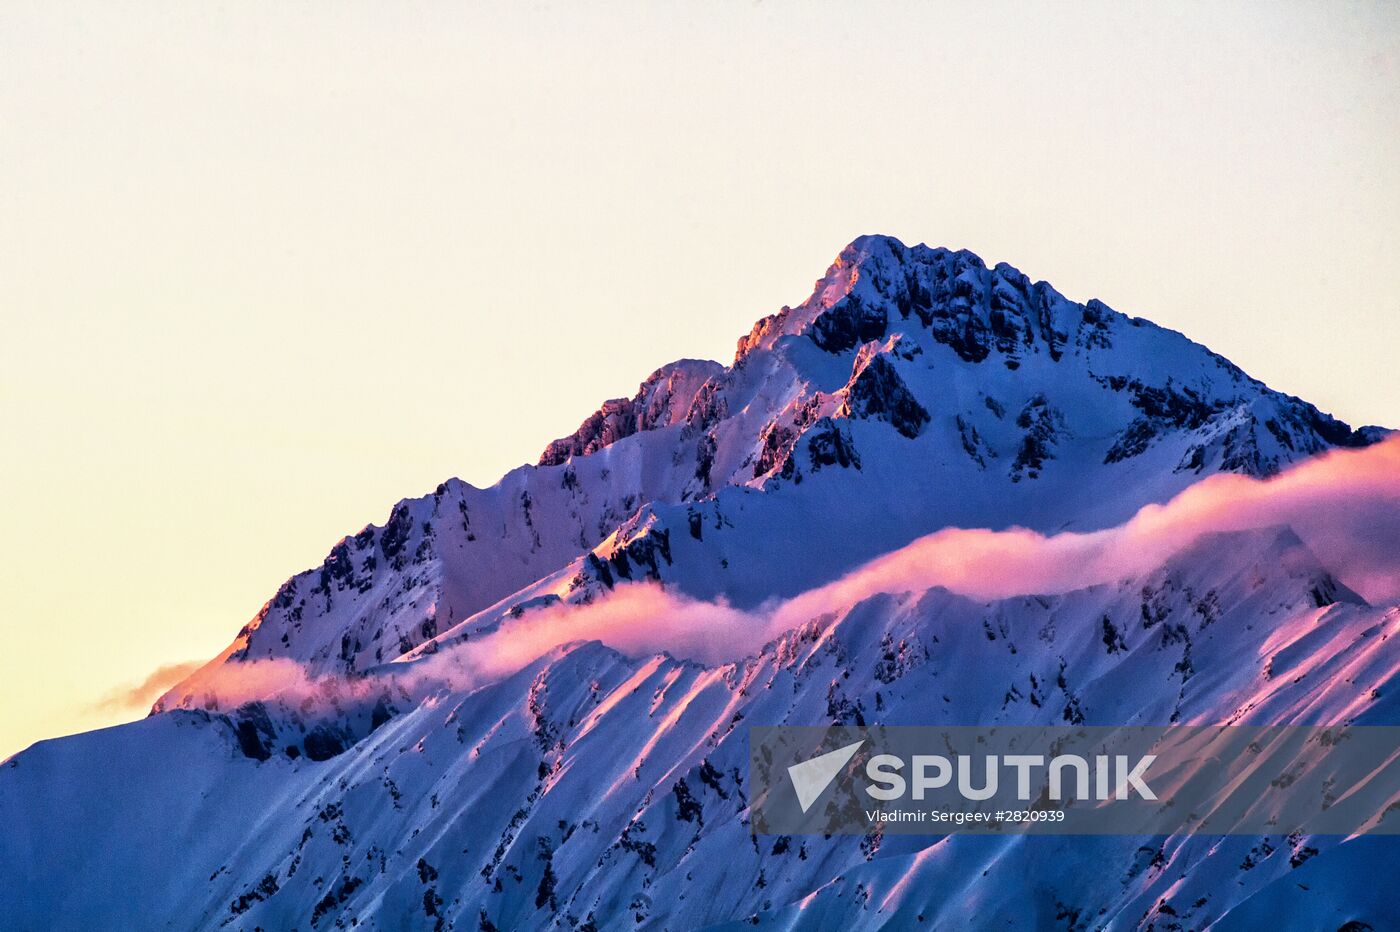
(1344, 505)
(139, 696)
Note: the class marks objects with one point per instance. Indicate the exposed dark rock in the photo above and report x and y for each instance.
(324, 742)
(1043, 425)
(336, 897)
(777, 443)
(395, 535)
(668, 395)
(254, 731)
(847, 324)
(828, 443)
(876, 391)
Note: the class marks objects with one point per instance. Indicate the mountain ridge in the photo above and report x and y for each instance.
(975, 366)
(490, 712)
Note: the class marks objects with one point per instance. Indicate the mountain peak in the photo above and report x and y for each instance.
(877, 282)
(914, 389)
(474, 714)
(875, 247)
(662, 400)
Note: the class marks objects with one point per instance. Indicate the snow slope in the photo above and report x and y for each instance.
(591, 786)
(371, 777)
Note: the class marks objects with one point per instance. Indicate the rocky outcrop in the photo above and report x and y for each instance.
(973, 310)
(665, 398)
(1043, 425)
(877, 391)
(849, 323)
(827, 443)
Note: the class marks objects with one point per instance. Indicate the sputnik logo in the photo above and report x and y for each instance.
(811, 778)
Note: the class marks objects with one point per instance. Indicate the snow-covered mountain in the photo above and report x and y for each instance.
(915, 389)
(591, 784)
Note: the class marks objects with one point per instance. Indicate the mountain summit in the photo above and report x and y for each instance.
(461, 719)
(915, 389)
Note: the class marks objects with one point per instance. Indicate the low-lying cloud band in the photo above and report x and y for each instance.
(1344, 505)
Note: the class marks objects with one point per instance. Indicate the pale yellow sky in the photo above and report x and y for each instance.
(267, 268)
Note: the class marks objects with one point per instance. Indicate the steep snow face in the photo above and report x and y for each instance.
(596, 790)
(915, 389)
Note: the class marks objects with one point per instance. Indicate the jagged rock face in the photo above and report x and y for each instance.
(876, 391)
(827, 444)
(665, 398)
(907, 370)
(1043, 425)
(877, 283)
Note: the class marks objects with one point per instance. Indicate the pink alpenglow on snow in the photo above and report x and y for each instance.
(1344, 506)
